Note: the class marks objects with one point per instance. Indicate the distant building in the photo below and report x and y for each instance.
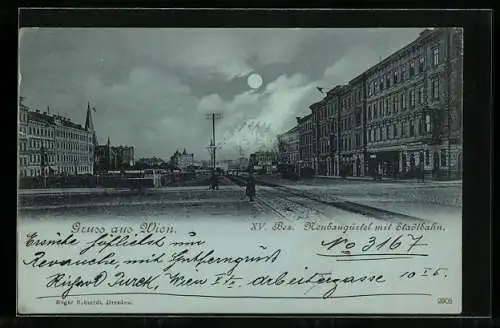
(183, 159)
(264, 160)
(111, 158)
(288, 147)
(186, 160)
(124, 156)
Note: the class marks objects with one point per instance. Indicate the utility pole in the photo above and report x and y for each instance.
(213, 116)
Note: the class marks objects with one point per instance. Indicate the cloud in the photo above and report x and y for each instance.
(151, 87)
(257, 119)
(211, 103)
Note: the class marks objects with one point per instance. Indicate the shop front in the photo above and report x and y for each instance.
(385, 164)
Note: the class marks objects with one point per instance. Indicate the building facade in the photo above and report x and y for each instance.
(186, 160)
(414, 108)
(305, 141)
(289, 144)
(23, 153)
(320, 136)
(334, 99)
(52, 144)
(124, 156)
(400, 118)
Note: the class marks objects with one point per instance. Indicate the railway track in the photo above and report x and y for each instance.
(348, 206)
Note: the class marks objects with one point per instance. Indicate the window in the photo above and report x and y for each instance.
(435, 89)
(388, 81)
(421, 64)
(403, 132)
(395, 104)
(395, 76)
(374, 114)
(412, 98)
(375, 84)
(427, 157)
(394, 131)
(435, 56)
(427, 123)
(412, 69)
(380, 133)
(386, 106)
(384, 133)
(443, 157)
(403, 101)
(421, 95)
(372, 135)
(380, 108)
(381, 84)
(412, 128)
(369, 112)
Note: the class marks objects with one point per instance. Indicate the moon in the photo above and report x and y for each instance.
(254, 81)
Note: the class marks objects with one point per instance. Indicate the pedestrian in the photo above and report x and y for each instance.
(212, 182)
(250, 187)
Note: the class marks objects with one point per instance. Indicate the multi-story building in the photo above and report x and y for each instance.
(414, 107)
(289, 143)
(185, 160)
(354, 147)
(23, 154)
(305, 141)
(401, 117)
(52, 144)
(74, 147)
(320, 136)
(333, 100)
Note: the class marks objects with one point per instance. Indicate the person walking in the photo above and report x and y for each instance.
(213, 182)
(250, 187)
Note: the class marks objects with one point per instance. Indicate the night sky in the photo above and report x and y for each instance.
(152, 87)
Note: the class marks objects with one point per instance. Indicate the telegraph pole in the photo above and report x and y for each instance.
(213, 116)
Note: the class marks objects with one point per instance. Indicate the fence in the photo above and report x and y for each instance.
(95, 181)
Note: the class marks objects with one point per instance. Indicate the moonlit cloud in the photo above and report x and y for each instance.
(152, 87)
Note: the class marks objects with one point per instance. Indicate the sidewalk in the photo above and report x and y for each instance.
(80, 191)
(385, 179)
(108, 191)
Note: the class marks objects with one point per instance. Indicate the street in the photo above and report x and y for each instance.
(337, 200)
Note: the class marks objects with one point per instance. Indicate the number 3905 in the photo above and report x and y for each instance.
(444, 300)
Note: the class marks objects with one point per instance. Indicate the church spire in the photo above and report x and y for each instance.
(89, 125)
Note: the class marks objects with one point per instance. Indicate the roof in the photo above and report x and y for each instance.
(425, 34)
(41, 117)
(53, 120)
(289, 131)
(304, 118)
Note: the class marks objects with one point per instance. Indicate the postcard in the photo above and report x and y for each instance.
(240, 171)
